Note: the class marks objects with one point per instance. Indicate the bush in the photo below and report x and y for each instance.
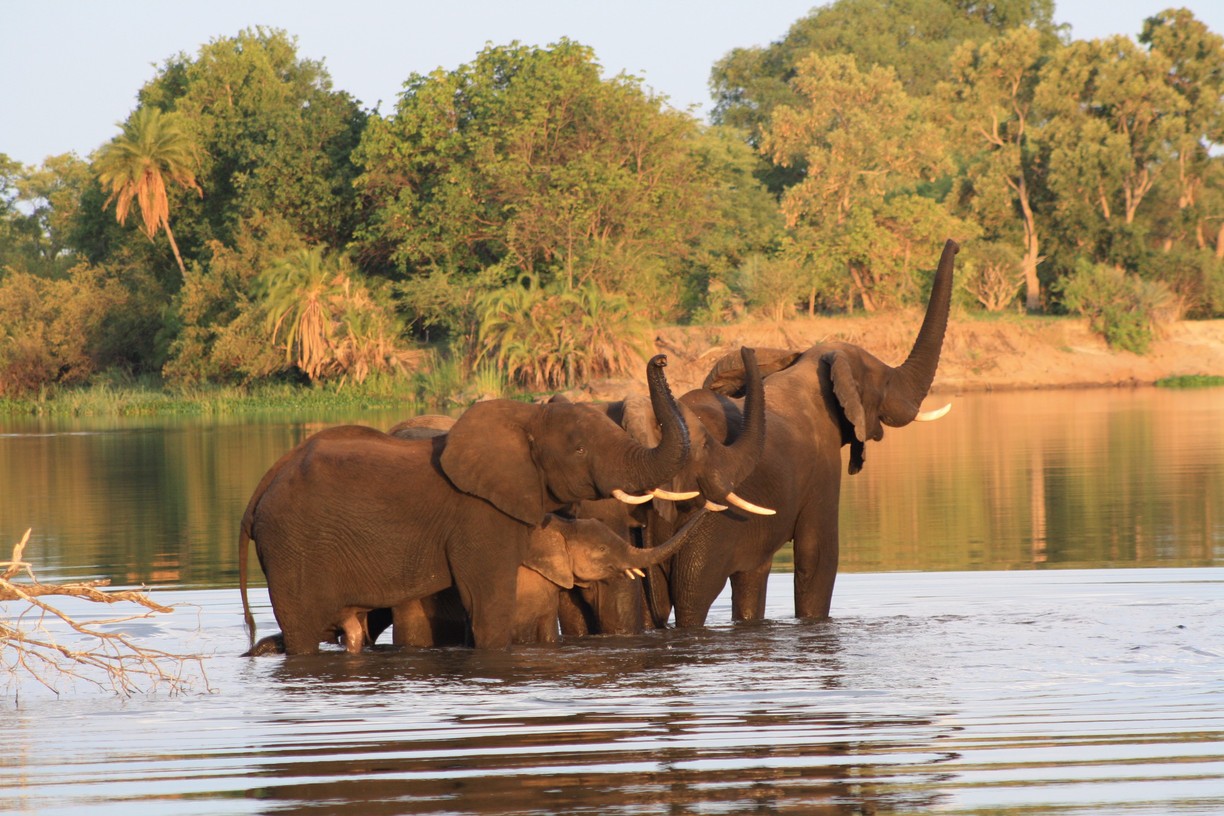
(550, 337)
(1124, 309)
(51, 330)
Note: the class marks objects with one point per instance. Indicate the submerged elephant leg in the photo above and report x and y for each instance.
(816, 557)
(272, 644)
(352, 626)
(748, 593)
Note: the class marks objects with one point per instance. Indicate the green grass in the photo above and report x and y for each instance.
(146, 399)
(1191, 381)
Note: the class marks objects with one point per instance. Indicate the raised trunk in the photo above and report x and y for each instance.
(648, 468)
(731, 464)
(653, 556)
(912, 379)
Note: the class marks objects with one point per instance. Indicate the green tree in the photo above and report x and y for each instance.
(331, 321)
(1112, 119)
(866, 147)
(1196, 75)
(274, 136)
(990, 95)
(916, 38)
(154, 150)
(526, 161)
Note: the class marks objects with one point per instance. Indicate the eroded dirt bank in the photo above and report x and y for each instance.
(978, 355)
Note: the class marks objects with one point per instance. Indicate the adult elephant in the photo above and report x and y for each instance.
(359, 520)
(817, 401)
(710, 476)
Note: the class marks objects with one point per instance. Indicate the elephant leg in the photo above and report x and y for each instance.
(353, 627)
(576, 616)
(411, 625)
(490, 601)
(816, 557)
(698, 575)
(748, 593)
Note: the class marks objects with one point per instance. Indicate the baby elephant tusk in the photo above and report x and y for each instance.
(629, 574)
(717, 508)
(638, 572)
(744, 504)
(931, 416)
(629, 498)
(660, 493)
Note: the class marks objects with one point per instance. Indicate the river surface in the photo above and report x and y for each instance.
(1029, 621)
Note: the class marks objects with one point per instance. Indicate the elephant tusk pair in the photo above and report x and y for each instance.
(742, 504)
(657, 493)
(634, 573)
(931, 416)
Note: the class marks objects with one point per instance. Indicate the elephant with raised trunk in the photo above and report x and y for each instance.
(816, 401)
(355, 520)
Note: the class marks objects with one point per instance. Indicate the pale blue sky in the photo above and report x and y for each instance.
(70, 69)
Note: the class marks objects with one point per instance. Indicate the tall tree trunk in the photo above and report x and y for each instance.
(175, 249)
(1032, 257)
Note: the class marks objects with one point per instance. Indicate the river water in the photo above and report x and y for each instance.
(1028, 622)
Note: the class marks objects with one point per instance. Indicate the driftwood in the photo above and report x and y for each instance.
(99, 657)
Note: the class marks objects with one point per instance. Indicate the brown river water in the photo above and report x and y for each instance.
(1029, 621)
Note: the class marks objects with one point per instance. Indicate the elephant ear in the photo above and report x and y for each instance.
(849, 394)
(488, 454)
(548, 554)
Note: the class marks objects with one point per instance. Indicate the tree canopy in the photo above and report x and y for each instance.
(528, 214)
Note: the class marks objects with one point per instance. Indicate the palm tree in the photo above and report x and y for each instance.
(153, 149)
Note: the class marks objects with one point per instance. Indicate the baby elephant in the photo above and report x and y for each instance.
(564, 553)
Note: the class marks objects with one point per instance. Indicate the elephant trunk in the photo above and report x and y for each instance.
(653, 556)
(912, 379)
(647, 468)
(731, 464)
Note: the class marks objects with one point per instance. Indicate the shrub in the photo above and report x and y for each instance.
(1124, 309)
(50, 330)
(551, 337)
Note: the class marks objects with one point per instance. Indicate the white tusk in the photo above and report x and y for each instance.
(629, 498)
(744, 504)
(931, 416)
(660, 493)
(629, 574)
(638, 572)
(717, 508)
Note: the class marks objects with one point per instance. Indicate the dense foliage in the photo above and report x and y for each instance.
(525, 218)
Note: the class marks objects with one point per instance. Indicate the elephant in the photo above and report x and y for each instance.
(355, 519)
(563, 554)
(817, 401)
(712, 472)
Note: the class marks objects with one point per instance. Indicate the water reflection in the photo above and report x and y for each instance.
(1103, 477)
(671, 722)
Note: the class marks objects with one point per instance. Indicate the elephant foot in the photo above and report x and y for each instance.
(272, 644)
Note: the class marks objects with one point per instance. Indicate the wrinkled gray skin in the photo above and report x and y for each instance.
(715, 468)
(817, 401)
(354, 520)
(564, 554)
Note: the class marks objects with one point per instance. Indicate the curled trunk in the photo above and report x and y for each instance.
(653, 556)
(647, 468)
(731, 464)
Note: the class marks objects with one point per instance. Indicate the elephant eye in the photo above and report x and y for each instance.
(580, 450)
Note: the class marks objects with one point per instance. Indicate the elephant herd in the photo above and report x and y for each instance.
(517, 522)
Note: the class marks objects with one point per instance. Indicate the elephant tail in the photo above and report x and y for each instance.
(244, 548)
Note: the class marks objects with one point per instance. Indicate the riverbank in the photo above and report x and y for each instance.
(1006, 353)
(1011, 352)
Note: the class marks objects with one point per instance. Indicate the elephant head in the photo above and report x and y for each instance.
(715, 466)
(579, 552)
(530, 459)
(870, 393)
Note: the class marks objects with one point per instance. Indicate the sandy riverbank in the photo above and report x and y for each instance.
(978, 355)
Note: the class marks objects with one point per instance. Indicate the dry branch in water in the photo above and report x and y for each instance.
(97, 656)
